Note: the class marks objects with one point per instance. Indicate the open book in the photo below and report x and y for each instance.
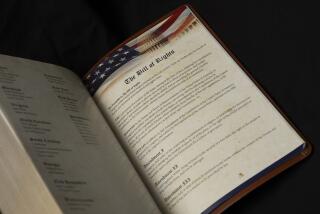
(167, 122)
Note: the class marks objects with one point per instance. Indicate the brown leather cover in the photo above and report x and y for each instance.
(270, 174)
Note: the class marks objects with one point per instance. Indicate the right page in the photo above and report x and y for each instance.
(194, 124)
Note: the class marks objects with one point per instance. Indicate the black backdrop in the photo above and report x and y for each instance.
(276, 40)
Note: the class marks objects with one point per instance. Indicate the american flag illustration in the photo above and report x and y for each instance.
(95, 78)
(177, 24)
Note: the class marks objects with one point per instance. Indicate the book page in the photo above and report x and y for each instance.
(73, 150)
(192, 121)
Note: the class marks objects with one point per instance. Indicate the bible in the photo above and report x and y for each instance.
(169, 121)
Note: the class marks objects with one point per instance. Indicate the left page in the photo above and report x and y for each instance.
(70, 144)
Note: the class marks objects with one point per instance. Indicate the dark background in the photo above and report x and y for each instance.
(278, 42)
